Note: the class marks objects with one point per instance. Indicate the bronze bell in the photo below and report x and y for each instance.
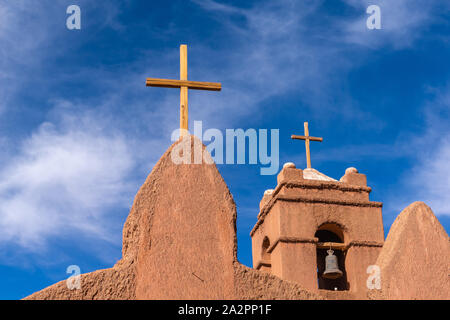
(331, 266)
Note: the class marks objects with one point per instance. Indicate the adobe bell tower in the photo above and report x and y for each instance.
(307, 214)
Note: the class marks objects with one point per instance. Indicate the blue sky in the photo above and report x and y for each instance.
(79, 131)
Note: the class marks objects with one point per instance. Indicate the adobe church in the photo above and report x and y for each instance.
(314, 238)
(179, 242)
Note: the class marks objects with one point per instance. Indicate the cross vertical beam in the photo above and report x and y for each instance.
(183, 91)
(308, 154)
(307, 138)
(184, 84)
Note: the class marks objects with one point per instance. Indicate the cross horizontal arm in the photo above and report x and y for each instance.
(197, 85)
(306, 137)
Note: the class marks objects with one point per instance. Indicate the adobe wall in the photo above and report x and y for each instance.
(187, 243)
(297, 261)
(358, 259)
(251, 284)
(415, 259)
(117, 283)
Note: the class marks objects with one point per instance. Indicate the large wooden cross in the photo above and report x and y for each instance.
(307, 138)
(184, 85)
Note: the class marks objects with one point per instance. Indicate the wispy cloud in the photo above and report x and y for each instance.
(74, 174)
(429, 178)
(402, 21)
(292, 46)
(29, 31)
(71, 170)
(65, 179)
(273, 53)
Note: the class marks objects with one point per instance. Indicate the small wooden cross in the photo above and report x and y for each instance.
(307, 138)
(184, 85)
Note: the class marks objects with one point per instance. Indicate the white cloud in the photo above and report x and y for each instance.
(429, 178)
(284, 47)
(77, 169)
(28, 32)
(432, 177)
(274, 53)
(402, 22)
(65, 179)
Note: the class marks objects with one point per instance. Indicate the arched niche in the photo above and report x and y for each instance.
(331, 235)
(266, 263)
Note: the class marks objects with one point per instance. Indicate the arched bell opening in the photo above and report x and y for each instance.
(331, 274)
(265, 264)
